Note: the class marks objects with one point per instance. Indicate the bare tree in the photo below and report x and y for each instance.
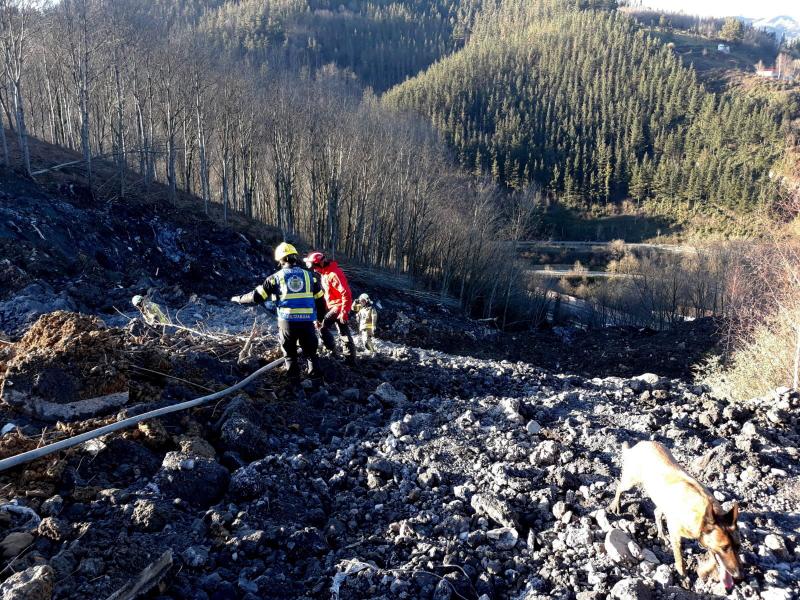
(14, 17)
(77, 28)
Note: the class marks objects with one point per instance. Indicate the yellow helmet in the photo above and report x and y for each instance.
(283, 250)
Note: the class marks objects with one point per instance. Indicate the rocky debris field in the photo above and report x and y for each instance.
(621, 350)
(418, 474)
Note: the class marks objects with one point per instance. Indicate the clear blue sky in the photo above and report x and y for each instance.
(724, 8)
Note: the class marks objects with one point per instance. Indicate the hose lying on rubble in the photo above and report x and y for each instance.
(19, 459)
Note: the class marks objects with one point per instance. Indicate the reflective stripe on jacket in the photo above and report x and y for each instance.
(296, 297)
(367, 318)
(295, 292)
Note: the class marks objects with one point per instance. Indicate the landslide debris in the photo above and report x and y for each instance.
(66, 367)
(63, 247)
(419, 475)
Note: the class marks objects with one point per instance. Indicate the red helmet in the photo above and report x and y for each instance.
(314, 258)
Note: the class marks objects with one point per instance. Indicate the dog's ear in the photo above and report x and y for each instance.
(729, 518)
(710, 520)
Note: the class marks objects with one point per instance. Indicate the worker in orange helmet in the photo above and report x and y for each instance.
(339, 301)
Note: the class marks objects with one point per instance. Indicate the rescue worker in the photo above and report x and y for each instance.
(339, 301)
(296, 292)
(151, 312)
(367, 317)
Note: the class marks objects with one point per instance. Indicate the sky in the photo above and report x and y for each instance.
(723, 8)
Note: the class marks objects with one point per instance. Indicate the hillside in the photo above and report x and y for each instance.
(587, 105)
(380, 43)
(445, 466)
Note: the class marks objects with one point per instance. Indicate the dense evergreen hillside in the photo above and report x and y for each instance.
(584, 102)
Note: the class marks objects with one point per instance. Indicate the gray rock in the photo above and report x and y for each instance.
(399, 428)
(91, 566)
(776, 544)
(195, 556)
(774, 593)
(504, 538)
(545, 453)
(631, 589)
(52, 506)
(196, 479)
(602, 520)
(429, 478)
(443, 590)
(239, 434)
(663, 575)
(53, 528)
(494, 508)
(34, 583)
(388, 395)
(306, 542)
(14, 543)
(648, 555)
(351, 394)
(380, 466)
(617, 545)
(578, 537)
(648, 378)
(533, 427)
(147, 516)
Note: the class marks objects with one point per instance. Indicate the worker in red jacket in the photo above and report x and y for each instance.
(339, 300)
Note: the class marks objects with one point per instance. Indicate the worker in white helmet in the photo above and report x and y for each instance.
(367, 316)
(151, 312)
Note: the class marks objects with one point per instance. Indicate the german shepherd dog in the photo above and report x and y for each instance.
(690, 509)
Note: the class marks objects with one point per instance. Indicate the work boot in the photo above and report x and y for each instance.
(351, 360)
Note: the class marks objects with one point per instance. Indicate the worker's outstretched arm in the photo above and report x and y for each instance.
(259, 295)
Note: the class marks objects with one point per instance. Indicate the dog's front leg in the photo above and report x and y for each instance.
(675, 539)
(659, 516)
(614, 506)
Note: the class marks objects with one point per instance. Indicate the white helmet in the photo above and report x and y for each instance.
(137, 300)
(364, 298)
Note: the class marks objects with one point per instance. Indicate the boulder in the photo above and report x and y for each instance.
(503, 538)
(147, 516)
(617, 545)
(389, 395)
(631, 589)
(545, 453)
(197, 479)
(14, 543)
(34, 583)
(494, 508)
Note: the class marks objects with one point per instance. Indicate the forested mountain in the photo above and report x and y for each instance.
(585, 103)
(381, 42)
(264, 108)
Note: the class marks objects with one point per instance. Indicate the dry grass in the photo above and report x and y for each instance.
(761, 362)
(764, 321)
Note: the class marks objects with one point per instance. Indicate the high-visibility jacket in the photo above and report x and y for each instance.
(367, 317)
(153, 314)
(337, 291)
(295, 290)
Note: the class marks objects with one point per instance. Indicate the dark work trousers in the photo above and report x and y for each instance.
(326, 331)
(303, 333)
